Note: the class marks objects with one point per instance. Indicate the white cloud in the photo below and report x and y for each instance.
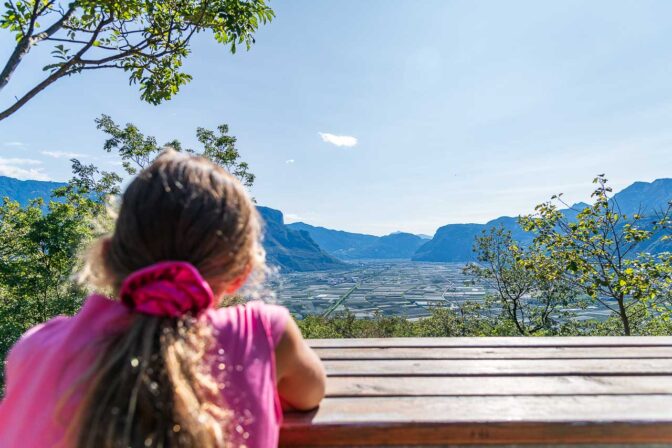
(62, 154)
(338, 140)
(289, 161)
(18, 161)
(13, 144)
(22, 169)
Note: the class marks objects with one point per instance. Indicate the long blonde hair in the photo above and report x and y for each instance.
(152, 385)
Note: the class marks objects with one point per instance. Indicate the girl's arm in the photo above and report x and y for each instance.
(300, 374)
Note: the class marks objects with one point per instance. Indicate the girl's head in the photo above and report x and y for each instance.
(152, 385)
(183, 208)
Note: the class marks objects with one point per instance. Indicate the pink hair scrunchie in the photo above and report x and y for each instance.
(167, 289)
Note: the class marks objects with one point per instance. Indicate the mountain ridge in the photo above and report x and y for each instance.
(23, 191)
(450, 241)
(351, 245)
(302, 247)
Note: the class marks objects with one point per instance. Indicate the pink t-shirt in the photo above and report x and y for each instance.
(44, 365)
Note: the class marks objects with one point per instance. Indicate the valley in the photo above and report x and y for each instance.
(402, 288)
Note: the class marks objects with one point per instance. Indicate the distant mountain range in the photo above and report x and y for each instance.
(349, 246)
(454, 242)
(303, 247)
(23, 191)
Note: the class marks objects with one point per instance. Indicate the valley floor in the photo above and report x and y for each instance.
(389, 288)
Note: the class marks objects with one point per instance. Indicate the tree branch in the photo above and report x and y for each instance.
(80, 42)
(27, 41)
(93, 67)
(62, 71)
(55, 26)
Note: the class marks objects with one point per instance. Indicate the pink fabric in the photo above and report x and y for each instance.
(42, 369)
(169, 289)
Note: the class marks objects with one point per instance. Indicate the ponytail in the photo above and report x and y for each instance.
(151, 386)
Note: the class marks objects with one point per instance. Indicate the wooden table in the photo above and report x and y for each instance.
(508, 391)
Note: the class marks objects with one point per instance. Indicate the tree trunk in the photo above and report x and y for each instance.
(624, 315)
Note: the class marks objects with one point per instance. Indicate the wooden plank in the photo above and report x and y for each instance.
(520, 367)
(582, 341)
(488, 386)
(465, 420)
(494, 352)
(597, 408)
(511, 434)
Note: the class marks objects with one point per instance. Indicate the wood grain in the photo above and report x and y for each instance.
(494, 353)
(519, 367)
(431, 420)
(573, 341)
(595, 408)
(487, 386)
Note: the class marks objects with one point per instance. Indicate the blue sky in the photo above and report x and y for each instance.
(462, 111)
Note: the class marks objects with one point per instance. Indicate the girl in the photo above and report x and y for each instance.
(165, 365)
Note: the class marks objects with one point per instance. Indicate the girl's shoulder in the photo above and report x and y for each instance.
(250, 321)
(36, 338)
(69, 332)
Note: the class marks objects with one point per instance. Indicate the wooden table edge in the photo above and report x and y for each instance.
(475, 433)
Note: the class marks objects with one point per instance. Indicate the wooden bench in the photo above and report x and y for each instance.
(482, 391)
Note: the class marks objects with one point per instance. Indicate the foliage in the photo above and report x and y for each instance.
(221, 149)
(526, 282)
(599, 250)
(467, 320)
(138, 150)
(345, 325)
(147, 39)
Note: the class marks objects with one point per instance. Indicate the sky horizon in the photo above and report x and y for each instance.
(385, 116)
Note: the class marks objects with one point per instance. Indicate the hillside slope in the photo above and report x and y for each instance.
(292, 250)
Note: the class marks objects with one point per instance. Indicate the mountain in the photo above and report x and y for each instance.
(290, 249)
(348, 245)
(394, 245)
(454, 242)
(648, 199)
(25, 190)
(336, 242)
(645, 198)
